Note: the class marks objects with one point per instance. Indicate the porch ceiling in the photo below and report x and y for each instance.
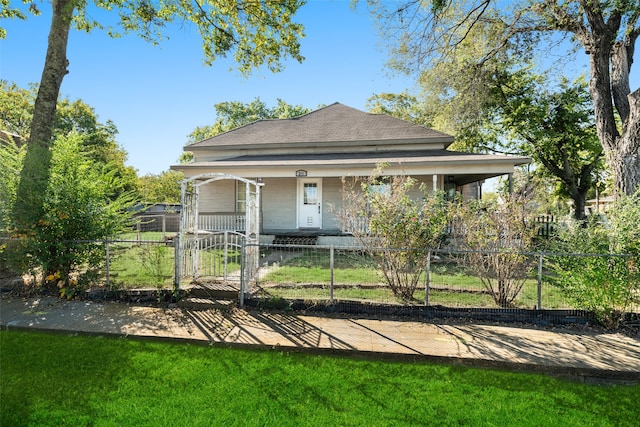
(465, 167)
(347, 159)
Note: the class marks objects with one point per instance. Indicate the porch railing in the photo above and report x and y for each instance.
(222, 221)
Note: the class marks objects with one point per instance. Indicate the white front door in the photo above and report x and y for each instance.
(310, 203)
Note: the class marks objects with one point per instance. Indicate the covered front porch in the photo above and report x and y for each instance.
(236, 222)
(301, 208)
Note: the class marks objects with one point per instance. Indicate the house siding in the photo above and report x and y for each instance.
(415, 193)
(218, 196)
(331, 201)
(332, 198)
(279, 204)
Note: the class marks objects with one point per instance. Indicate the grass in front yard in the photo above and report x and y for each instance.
(321, 275)
(140, 265)
(56, 380)
(307, 276)
(152, 264)
(153, 236)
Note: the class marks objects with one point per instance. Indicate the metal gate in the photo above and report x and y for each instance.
(206, 249)
(214, 256)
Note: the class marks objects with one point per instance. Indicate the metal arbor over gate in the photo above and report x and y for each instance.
(196, 228)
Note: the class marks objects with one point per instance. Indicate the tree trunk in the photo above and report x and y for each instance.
(34, 176)
(622, 150)
(580, 202)
(626, 160)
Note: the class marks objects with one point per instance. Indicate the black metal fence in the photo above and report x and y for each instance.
(547, 225)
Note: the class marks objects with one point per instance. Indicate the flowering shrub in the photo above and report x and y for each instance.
(397, 221)
(493, 238)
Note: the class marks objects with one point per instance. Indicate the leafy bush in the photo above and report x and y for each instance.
(157, 261)
(608, 285)
(397, 221)
(494, 238)
(79, 207)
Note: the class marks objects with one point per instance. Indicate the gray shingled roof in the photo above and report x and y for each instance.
(334, 123)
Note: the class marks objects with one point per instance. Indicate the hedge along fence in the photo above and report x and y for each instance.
(335, 275)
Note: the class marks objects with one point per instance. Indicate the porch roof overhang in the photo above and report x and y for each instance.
(462, 167)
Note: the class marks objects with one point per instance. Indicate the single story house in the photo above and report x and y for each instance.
(300, 162)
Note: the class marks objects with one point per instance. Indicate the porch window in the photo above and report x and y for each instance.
(241, 196)
(450, 190)
(381, 186)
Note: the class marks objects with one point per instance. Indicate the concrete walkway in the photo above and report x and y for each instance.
(578, 353)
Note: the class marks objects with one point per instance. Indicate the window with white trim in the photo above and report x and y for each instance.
(241, 196)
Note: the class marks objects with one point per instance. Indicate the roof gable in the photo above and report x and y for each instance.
(336, 123)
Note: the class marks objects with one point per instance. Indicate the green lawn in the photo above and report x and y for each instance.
(152, 262)
(141, 265)
(59, 380)
(307, 276)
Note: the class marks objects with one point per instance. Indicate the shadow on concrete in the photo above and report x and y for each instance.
(263, 329)
(94, 318)
(555, 349)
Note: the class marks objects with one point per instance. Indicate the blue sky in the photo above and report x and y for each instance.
(157, 95)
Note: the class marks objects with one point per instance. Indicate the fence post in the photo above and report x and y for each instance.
(177, 265)
(243, 271)
(427, 279)
(106, 264)
(539, 281)
(226, 253)
(331, 255)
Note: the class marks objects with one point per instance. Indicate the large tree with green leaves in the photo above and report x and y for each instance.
(518, 114)
(161, 188)
(426, 33)
(555, 128)
(97, 138)
(256, 33)
(404, 106)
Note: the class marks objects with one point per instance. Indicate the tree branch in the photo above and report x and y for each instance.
(205, 16)
(566, 21)
(594, 15)
(471, 15)
(620, 88)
